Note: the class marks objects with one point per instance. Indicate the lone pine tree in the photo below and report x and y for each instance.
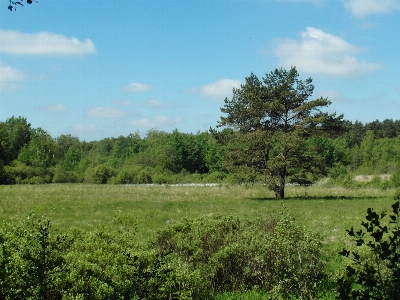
(278, 129)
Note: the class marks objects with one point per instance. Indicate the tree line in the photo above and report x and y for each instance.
(271, 132)
(31, 155)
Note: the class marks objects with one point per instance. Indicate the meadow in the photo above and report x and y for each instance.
(328, 211)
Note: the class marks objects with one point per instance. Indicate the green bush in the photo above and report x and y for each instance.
(37, 263)
(397, 194)
(395, 178)
(124, 177)
(375, 275)
(227, 254)
(21, 173)
(144, 177)
(62, 175)
(102, 173)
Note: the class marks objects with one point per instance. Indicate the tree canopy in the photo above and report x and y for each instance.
(275, 120)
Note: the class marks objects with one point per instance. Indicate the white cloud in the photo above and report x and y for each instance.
(219, 89)
(42, 43)
(57, 108)
(9, 76)
(157, 121)
(321, 52)
(137, 87)
(105, 112)
(363, 8)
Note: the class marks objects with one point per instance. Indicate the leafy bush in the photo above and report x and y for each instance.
(377, 275)
(61, 175)
(36, 263)
(124, 177)
(144, 176)
(102, 173)
(397, 194)
(395, 178)
(228, 254)
(22, 173)
(30, 261)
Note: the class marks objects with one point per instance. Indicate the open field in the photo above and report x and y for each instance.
(329, 211)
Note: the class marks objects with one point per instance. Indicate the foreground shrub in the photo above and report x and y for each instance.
(377, 274)
(192, 259)
(36, 263)
(227, 254)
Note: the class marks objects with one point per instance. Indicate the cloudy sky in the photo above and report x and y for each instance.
(97, 69)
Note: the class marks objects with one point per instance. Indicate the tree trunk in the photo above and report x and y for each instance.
(279, 189)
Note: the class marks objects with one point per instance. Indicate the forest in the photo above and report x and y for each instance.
(32, 155)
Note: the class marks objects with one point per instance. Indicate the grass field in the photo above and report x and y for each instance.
(328, 211)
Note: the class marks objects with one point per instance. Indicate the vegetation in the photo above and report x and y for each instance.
(108, 236)
(186, 236)
(279, 129)
(274, 134)
(376, 274)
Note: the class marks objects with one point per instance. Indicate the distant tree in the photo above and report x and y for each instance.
(18, 133)
(13, 4)
(274, 119)
(41, 150)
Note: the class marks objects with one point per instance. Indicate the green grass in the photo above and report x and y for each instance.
(328, 211)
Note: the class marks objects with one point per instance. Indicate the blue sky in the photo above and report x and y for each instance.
(98, 69)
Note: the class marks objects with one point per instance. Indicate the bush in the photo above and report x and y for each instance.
(397, 194)
(63, 176)
(102, 173)
(36, 263)
(395, 178)
(144, 177)
(124, 177)
(377, 274)
(227, 254)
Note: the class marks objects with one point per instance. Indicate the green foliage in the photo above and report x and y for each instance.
(377, 275)
(228, 255)
(102, 173)
(397, 194)
(21, 173)
(300, 155)
(36, 263)
(144, 176)
(30, 260)
(395, 179)
(62, 175)
(338, 170)
(275, 117)
(15, 135)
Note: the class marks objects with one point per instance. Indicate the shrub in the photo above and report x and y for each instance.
(124, 177)
(30, 261)
(227, 254)
(63, 176)
(377, 275)
(395, 178)
(144, 177)
(102, 174)
(397, 194)
(36, 263)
